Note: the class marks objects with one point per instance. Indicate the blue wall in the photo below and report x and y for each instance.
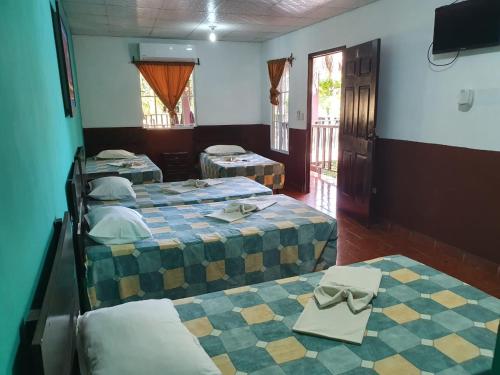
(37, 144)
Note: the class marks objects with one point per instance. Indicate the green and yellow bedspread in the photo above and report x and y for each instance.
(265, 171)
(149, 173)
(155, 195)
(423, 322)
(191, 254)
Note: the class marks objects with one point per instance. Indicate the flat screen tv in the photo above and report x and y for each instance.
(467, 25)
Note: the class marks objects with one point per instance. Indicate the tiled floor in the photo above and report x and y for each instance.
(357, 243)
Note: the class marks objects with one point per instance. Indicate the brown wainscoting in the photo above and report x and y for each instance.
(295, 161)
(140, 141)
(155, 142)
(449, 193)
(251, 137)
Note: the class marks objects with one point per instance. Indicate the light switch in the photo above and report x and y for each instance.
(465, 100)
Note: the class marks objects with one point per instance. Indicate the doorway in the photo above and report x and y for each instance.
(324, 102)
(341, 123)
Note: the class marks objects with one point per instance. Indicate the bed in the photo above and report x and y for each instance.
(265, 171)
(423, 321)
(150, 173)
(155, 195)
(191, 254)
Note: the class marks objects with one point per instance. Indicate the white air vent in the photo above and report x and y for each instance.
(167, 52)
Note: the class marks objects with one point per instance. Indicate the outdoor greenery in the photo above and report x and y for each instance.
(326, 89)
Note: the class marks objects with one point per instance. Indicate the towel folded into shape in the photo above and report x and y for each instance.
(233, 159)
(128, 164)
(341, 305)
(240, 209)
(330, 293)
(189, 185)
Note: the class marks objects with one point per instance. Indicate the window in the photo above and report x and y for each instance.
(155, 114)
(279, 122)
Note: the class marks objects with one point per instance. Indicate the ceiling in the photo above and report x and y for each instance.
(235, 20)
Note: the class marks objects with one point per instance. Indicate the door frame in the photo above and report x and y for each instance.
(310, 61)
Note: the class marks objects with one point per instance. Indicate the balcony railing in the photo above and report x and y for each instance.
(324, 150)
(156, 121)
(162, 121)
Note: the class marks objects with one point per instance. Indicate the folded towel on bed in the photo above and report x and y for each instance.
(233, 159)
(331, 293)
(128, 164)
(190, 185)
(238, 210)
(340, 308)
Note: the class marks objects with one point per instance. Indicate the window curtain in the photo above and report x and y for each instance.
(168, 81)
(275, 69)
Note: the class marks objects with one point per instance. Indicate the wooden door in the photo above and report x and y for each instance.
(357, 129)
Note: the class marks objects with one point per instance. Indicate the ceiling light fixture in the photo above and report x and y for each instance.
(212, 37)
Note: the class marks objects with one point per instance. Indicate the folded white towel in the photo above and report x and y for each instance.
(240, 209)
(243, 208)
(340, 308)
(196, 183)
(128, 164)
(233, 159)
(330, 293)
(190, 185)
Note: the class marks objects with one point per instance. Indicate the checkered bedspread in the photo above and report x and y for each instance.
(191, 254)
(423, 322)
(151, 173)
(265, 171)
(154, 195)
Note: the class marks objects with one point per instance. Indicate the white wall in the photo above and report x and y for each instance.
(227, 83)
(415, 102)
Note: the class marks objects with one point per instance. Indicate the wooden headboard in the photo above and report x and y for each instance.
(53, 348)
(77, 206)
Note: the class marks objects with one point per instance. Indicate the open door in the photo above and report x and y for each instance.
(358, 114)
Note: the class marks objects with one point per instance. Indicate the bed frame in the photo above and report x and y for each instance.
(61, 294)
(53, 347)
(75, 188)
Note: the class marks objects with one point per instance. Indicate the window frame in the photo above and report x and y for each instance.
(155, 97)
(280, 133)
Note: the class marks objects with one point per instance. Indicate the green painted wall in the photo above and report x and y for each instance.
(37, 144)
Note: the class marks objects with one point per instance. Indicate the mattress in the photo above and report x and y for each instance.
(423, 321)
(191, 254)
(148, 174)
(265, 171)
(155, 195)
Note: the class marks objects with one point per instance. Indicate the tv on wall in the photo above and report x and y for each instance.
(467, 25)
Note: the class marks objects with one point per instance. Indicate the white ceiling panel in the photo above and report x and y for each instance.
(235, 20)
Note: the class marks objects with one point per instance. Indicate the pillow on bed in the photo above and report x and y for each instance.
(145, 337)
(115, 154)
(116, 225)
(224, 150)
(109, 188)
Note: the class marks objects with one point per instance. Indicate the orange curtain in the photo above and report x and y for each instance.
(168, 81)
(275, 69)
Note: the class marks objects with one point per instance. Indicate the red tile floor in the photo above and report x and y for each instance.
(357, 243)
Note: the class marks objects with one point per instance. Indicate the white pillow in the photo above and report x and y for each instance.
(109, 188)
(115, 154)
(224, 150)
(116, 225)
(145, 337)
